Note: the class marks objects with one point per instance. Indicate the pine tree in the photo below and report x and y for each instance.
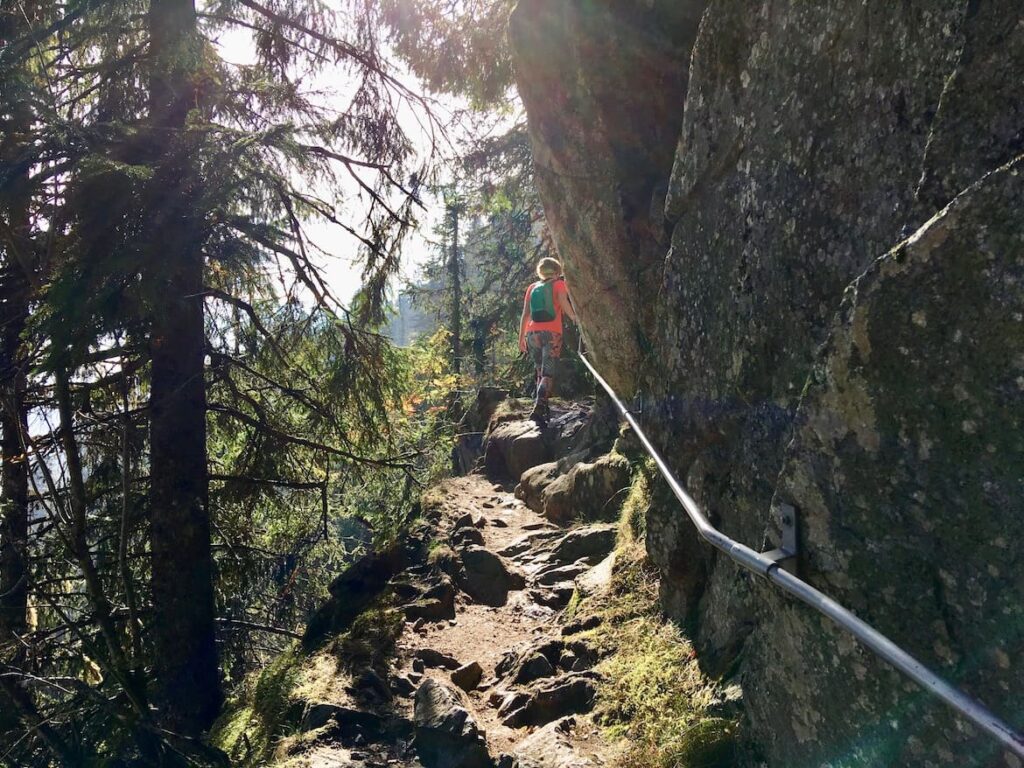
(182, 333)
(187, 676)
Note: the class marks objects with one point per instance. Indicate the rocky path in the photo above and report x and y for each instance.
(483, 674)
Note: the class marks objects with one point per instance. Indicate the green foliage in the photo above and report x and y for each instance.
(309, 447)
(264, 716)
(459, 48)
(260, 712)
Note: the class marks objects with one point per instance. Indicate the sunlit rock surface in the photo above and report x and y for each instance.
(604, 84)
(815, 138)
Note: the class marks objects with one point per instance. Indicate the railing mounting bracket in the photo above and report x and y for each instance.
(785, 556)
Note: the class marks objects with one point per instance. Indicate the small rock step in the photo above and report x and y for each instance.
(486, 578)
(547, 700)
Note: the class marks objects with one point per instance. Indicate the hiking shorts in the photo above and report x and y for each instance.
(546, 349)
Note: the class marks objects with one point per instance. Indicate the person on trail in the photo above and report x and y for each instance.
(540, 329)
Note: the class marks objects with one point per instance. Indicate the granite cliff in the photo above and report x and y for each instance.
(796, 231)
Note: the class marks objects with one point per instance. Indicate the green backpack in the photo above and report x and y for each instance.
(542, 302)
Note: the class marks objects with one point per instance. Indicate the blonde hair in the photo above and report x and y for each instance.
(548, 268)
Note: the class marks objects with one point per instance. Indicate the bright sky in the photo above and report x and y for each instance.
(341, 268)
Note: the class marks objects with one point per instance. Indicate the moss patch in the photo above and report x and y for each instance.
(442, 557)
(512, 409)
(371, 639)
(655, 696)
(261, 713)
(633, 519)
(263, 719)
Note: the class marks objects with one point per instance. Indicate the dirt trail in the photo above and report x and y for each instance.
(484, 633)
(490, 635)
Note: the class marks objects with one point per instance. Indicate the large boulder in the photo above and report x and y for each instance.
(534, 481)
(906, 467)
(588, 491)
(513, 447)
(447, 736)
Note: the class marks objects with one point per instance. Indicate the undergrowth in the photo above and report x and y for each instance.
(263, 719)
(258, 716)
(655, 697)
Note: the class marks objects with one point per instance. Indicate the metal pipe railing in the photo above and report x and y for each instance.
(769, 568)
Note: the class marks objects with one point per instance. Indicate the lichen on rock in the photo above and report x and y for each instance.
(810, 139)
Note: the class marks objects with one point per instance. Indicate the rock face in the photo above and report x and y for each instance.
(911, 435)
(814, 138)
(602, 187)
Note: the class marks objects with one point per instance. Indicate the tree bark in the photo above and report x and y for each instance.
(14, 293)
(455, 275)
(14, 576)
(187, 680)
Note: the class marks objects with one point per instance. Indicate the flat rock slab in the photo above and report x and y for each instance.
(597, 579)
(558, 574)
(590, 544)
(434, 658)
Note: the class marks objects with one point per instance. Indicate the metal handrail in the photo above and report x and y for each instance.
(769, 568)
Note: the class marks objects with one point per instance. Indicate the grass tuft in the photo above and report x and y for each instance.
(655, 697)
(259, 715)
(633, 520)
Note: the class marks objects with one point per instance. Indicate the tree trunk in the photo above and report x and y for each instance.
(14, 284)
(187, 679)
(455, 275)
(14, 576)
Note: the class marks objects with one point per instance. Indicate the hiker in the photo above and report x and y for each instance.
(540, 330)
